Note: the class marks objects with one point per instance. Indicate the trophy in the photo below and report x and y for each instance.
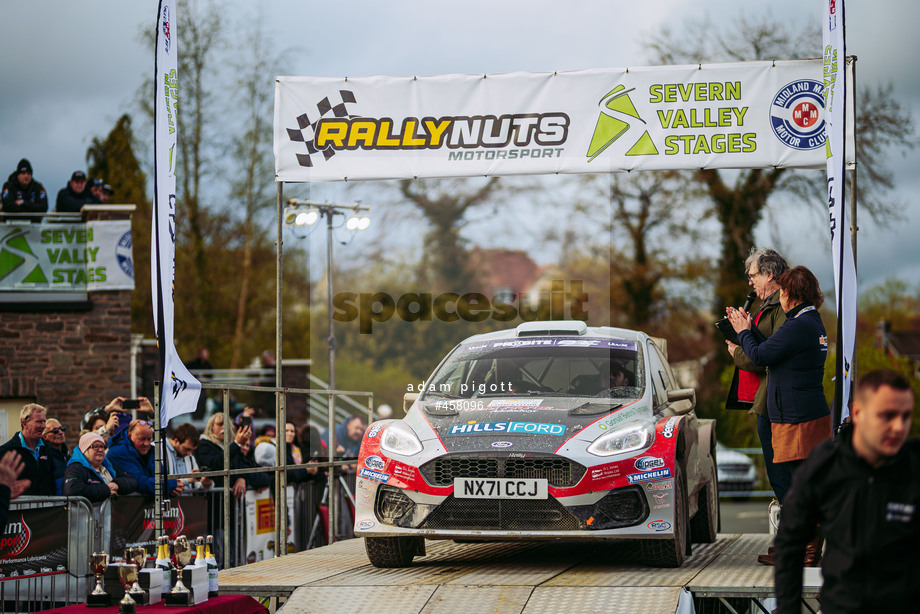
(182, 555)
(98, 562)
(127, 575)
(138, 556)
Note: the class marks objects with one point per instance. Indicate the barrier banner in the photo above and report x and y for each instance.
(260, 525)
(28, 548)
(66, 257)
(180, 389)
(733, 115)
(133, 521)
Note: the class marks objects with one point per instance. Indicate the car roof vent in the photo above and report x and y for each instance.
(567, 328)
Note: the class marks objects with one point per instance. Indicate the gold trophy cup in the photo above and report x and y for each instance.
(98, 563)
(180, 595)
(127, 575)
(138, 556)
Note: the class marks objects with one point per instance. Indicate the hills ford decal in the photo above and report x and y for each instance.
(510, 428)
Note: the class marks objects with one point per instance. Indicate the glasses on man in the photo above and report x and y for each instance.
(57, 430)
(751, 276)
(98, 446)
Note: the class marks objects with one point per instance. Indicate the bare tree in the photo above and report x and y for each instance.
(883, 124)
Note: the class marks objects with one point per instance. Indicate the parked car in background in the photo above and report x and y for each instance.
(736, 470)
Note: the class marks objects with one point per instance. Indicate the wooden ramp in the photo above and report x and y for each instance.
(509, 577)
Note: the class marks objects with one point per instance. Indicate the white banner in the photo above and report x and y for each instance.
(737, 115)
(66, 257)
(260, 524)
(838, 102)
(179, 390)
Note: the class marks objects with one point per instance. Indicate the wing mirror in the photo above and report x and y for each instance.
(408, 399)
(682, 400)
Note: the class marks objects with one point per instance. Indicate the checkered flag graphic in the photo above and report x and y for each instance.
(305, 132)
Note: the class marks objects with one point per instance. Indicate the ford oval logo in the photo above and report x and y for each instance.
(374, 462)
(501, 444)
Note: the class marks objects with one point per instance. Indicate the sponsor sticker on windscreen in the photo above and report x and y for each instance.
(500, 488)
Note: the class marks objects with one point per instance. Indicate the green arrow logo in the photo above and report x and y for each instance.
(617, 114)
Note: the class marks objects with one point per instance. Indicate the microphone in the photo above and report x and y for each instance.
(749, 301)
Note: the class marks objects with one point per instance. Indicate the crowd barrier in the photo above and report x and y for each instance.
(45, 547)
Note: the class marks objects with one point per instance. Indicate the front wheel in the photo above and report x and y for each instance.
(704, 527)
(393, 551)
(671, 552)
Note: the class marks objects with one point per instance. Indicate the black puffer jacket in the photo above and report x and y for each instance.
(870, 518)
(29, 199)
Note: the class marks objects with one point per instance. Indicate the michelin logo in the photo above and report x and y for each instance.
(377, 476)
(649, 475)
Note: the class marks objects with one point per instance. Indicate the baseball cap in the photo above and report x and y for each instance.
(78, 176)
(96, 182)
(108, 188)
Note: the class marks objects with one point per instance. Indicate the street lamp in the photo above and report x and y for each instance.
(306, 213)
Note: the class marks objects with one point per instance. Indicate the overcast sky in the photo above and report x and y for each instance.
(69, 69)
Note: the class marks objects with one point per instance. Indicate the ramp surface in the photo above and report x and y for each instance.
(511, 577)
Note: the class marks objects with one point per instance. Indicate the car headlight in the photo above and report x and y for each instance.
(621, 441)
(399, 439)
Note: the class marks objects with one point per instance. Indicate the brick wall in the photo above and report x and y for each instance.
(69, 361)
(70, 358)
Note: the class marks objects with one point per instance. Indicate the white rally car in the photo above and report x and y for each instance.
(552, 430)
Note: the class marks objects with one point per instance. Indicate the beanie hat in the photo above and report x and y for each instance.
(24, 165)
(265, 454)
(89, 439)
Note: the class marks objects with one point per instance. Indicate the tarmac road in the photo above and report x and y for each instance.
(744, 516)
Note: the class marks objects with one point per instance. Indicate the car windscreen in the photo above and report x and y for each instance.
(547, 366)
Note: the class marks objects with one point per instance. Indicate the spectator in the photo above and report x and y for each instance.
(107, 193)
(348, 437)
(11, 486)
(180, 458)
(131, 450)
(293, 444)
(245, 459)
(312, 441)
(22, 194)
(210, 451)
(202, 361)
(95, 188)
(749, 383)
(863, 489)
(74, 195)
(28, 443)
(90, 474)
(58, 452)
(110, 419)
(795, 355)
(266, 452)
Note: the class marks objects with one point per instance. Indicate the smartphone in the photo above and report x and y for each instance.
(245, 421)
(131, 404)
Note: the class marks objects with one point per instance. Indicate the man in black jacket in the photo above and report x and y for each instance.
(863, 489)
(75, 194)
(28, 443)
(22, 194)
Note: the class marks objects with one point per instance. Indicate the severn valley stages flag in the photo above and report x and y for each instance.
(734, 115)
(836, 101)
(180, 390)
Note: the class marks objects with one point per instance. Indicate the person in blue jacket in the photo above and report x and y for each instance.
(90, 474)
(131, 450)
(795, 356)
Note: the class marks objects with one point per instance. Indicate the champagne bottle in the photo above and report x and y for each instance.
(199, 552)
(212, 567)
(163, 561)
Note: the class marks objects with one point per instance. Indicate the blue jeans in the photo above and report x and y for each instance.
(779, 474)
